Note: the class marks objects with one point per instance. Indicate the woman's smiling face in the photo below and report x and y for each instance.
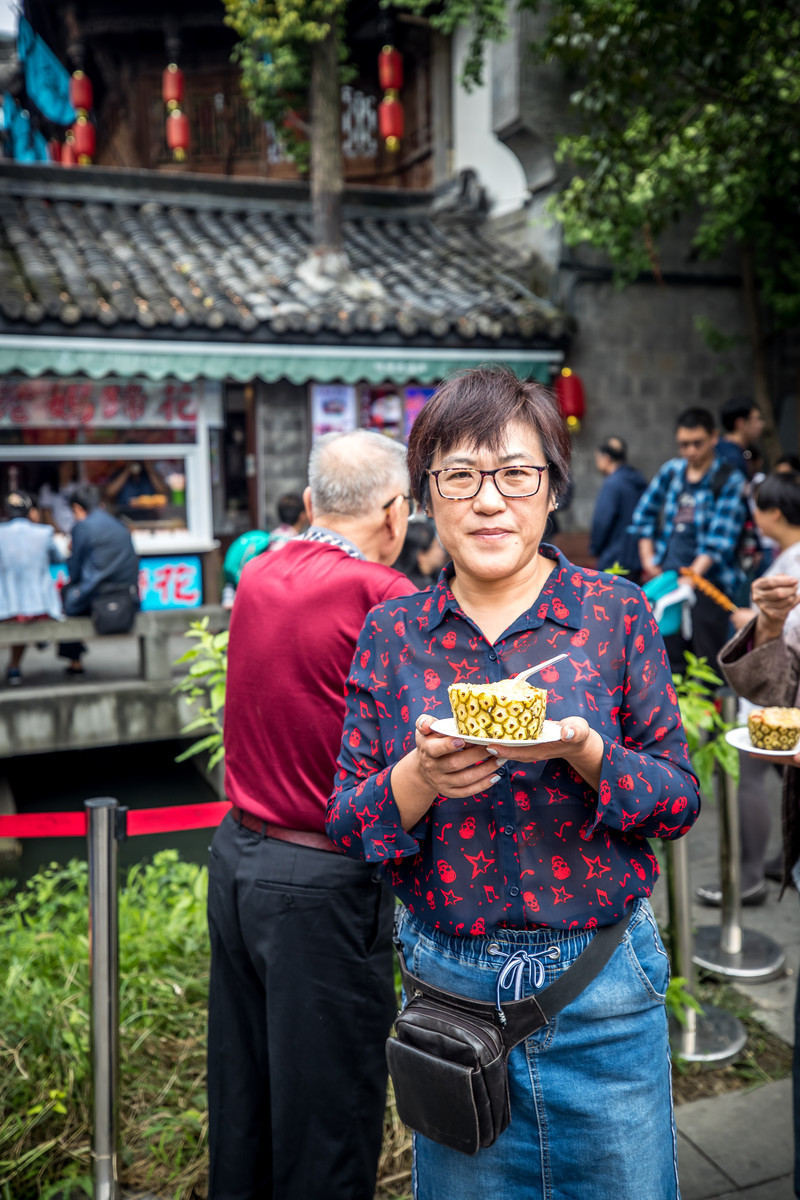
(491, 537)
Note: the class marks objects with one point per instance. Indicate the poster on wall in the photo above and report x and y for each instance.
(333, 409)
(175, 581)
(382, 411)
(416, 399)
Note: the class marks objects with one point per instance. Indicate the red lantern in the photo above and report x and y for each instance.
(178, 134)
(390, 69)
(85, 140)
(68, 156)
(571, 400)
(391, 121)
(172, 86)
(81, 95)
(54, 150)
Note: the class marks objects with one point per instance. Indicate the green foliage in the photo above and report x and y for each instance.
(45, 1070)
(204, 686)
(685, 110)
(276, 38)
(703, 724)
(678, 999)
(617, 569)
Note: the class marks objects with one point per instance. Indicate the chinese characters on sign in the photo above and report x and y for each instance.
(173, 582)
(67, 403)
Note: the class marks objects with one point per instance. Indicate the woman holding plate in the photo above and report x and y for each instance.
(508, 859)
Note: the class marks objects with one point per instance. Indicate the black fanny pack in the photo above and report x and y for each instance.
(449, 1058)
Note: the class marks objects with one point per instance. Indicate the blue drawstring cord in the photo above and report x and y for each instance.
(517, 966)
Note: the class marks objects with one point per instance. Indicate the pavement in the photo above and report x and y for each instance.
(741, 1143)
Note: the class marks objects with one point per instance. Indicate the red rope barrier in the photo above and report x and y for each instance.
(147, 820)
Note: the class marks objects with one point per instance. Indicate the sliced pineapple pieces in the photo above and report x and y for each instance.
(504, 711)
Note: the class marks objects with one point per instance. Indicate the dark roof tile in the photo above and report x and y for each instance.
(119, 256)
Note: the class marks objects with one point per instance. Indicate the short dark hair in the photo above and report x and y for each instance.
(781, 490)
(18, 504)
(735, 409)
(474, 407)
(696, 418)
(615, 447)
(86, 496)
(792, 461)
(290, 507)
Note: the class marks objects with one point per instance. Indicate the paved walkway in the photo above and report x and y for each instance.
(741, 1144)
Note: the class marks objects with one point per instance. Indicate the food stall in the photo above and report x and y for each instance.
(145, 446)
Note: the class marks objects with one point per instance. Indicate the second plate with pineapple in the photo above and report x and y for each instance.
(551, 732)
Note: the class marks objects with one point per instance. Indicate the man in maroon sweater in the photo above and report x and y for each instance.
(301, 997)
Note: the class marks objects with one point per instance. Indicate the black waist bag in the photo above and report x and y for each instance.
(449, 1058)
(115, 612)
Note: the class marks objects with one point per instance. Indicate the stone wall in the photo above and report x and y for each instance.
(283, 445)
(642, 361)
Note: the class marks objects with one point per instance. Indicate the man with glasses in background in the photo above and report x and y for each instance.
(692, 515)
(302, 996)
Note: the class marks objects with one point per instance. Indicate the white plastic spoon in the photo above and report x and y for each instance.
(539, 667)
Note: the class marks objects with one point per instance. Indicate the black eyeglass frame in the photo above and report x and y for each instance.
(401, 495)
(494, 473)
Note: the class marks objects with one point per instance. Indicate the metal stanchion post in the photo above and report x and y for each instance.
(728, 949)
(104, 985)
(714, 1036)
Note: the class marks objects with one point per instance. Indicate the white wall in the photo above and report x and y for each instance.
(474, 144)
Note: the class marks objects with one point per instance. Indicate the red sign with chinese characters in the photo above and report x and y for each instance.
(90, 404)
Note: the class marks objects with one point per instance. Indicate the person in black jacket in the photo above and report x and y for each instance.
(623, 485)
(103, 561)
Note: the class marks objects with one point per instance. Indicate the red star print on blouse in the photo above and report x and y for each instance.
(529, 851)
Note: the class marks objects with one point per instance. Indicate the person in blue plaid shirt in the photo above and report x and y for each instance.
(692, 515)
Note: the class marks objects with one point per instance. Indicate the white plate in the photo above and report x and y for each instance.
(740, 738)
(551, 732)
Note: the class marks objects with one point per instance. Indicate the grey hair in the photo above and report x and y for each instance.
(350, 473)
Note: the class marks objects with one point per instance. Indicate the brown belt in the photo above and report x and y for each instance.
(299, 837)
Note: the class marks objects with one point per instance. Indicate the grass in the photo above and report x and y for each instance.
(45, 1076)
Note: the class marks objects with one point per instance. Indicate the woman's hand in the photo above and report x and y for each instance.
(450, 766)
(580, 745)
(742, 617)
(775, 596)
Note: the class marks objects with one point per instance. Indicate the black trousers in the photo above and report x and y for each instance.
(711, 629)
(301, 1003)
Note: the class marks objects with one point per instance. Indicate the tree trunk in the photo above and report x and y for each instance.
(327, 172)
(761, 393)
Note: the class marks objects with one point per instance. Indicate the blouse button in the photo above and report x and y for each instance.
(509, 829)
(513, 891)
(493, 655)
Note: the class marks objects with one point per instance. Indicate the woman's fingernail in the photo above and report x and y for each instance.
(495, 779)
(569, 734)
(501, 762)
(491, 750)
(459, 745)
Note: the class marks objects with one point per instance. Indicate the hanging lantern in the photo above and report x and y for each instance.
(172, 87)
(68, 156)
(178, 134)
(391, 121)
(571, 400)
(81, 94)
(83, 132)
(390, 69)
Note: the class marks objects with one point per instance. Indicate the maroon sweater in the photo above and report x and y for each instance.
(294, 626)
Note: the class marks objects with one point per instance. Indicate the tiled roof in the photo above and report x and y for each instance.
(128, 251)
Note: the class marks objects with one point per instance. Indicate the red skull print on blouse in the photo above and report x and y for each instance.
(540, 847)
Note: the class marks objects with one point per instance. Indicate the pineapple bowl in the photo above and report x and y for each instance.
(774, 728)
(504, 712)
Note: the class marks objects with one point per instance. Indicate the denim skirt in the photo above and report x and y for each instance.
(591, 1092)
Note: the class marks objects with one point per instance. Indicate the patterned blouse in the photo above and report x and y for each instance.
(540, 847)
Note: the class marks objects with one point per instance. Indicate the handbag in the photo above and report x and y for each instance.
(449, 1057)
(115, 612)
